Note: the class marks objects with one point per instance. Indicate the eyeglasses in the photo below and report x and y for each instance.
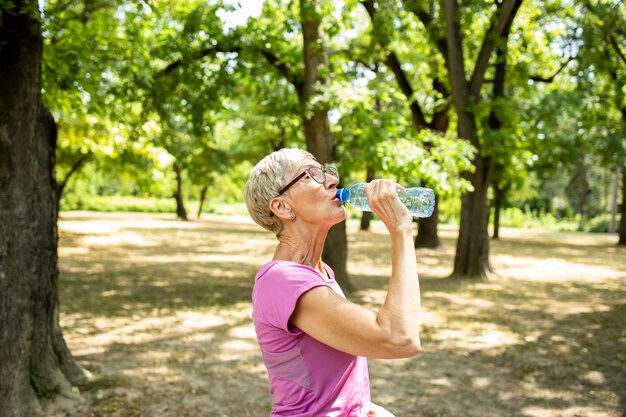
(316, 173)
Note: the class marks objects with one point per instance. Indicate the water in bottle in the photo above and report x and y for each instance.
(420, 201)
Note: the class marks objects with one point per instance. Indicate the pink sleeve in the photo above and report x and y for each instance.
(278, 290)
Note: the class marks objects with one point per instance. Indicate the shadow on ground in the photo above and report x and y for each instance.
(159, 311)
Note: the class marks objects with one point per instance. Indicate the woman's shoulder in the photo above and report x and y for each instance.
(281, 268)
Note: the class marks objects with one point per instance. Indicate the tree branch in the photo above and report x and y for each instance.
(418, 115)
(200, 55)
(617, 48)
(270, 58)
(428, 21)
(81, 160)
(550, 79)
(283, 68)
(503, 18)
(392, 61)
(456, 67)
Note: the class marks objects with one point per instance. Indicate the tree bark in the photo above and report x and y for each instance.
(181, 212)
(36, 364)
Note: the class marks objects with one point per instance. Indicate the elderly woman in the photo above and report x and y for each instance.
(313, 340)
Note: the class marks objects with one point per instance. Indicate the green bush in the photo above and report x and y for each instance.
(516, 217)
(599, 224)
(124, 204)
(148, 205)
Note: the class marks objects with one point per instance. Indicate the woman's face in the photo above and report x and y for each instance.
(314, 202)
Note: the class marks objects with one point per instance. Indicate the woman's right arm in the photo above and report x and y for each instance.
(392, 331)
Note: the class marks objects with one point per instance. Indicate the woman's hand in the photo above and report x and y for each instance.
(382, 197)
(378, 411)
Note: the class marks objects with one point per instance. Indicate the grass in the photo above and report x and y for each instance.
(158, 310)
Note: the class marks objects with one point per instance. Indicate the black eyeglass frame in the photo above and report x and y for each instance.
(334, 172)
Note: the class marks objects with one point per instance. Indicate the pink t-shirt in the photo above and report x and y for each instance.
(307, 378)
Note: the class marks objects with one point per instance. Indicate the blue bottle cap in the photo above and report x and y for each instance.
(343, 194)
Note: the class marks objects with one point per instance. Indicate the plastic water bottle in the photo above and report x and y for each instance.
(420, 201)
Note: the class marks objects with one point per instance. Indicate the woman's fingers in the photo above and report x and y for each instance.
(382, 196)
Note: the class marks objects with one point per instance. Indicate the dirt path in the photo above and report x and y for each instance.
(159, 311)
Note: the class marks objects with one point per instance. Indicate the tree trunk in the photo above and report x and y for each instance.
(36, 363)
(366, 216)
(498, 196)
(427, 236)
(427, 233)
(317, 130)
(622, 224)
(181, 212)
(614, 193)
(496, 125)
(427, 227)
(202, 198)
(60, 187)
(583, 192)
(366, 219)
(472, 251)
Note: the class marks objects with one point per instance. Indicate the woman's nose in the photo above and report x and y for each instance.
(331, 181)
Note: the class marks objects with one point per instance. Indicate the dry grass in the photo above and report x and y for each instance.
(159, 311)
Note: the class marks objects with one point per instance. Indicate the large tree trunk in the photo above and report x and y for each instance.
(622, 224)
(181, 212)
(35, 361)
(472, 250)
(317, 130)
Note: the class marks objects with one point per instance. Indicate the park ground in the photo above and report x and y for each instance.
(158, 311)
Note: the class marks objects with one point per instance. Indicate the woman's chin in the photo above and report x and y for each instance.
(342, 215)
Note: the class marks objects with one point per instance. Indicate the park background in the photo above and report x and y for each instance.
(128, 129)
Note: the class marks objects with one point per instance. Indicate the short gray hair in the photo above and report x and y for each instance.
(266, 179)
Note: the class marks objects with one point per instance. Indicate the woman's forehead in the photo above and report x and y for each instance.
(308, 163)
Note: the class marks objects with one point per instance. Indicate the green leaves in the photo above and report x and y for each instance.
(131, 82)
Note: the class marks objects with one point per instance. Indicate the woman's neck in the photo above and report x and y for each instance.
(302, 248)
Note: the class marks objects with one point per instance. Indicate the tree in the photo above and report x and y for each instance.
(305, 67)
(472, 250)
(427, 236)
(79, 48)
(604, 38)
(316, 125)
(36, 362)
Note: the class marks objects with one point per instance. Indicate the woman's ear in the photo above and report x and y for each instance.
(281, 208)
